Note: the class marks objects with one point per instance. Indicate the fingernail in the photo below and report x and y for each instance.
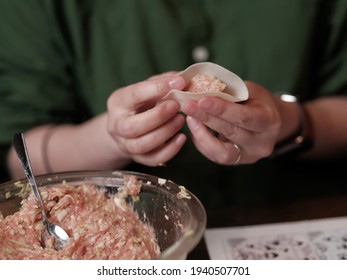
(181, 139)
(171, 106)
(189, 109)
(176, 82)
(193, 123)
(206, 104)
(179, 120)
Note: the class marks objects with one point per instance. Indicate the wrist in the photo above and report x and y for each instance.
(103, 151)
(290, 117)
(301, 138)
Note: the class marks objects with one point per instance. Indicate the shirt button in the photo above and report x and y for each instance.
(200, 54)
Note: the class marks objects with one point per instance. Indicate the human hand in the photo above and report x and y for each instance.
(254, 126)
(144, 130)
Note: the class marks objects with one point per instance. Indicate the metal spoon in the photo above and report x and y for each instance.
(61, 237)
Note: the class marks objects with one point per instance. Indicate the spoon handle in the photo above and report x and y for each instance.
(22, 153)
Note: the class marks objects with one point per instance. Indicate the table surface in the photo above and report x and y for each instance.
(300, 209)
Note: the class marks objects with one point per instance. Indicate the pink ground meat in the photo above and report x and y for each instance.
(99, 227)
(204, 83)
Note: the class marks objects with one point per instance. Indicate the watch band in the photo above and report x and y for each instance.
(302, 139)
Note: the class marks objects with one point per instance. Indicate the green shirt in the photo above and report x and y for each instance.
(60, 60)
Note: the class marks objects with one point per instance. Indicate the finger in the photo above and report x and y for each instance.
(163, 153)
(166, 74)
(214, 149)
(142, 123)
(251, 115)
(155, 138)
(255, 144)
(230, 131)
(151, 90)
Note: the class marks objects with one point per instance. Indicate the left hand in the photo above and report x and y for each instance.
(254, 126)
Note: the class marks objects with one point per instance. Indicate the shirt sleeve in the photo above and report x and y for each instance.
(331, 56)
(35, 71)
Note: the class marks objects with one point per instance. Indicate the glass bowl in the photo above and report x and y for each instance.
(176, 215)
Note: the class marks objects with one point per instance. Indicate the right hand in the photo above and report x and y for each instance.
(146, 132)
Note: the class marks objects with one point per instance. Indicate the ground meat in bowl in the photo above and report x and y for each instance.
(100, 226)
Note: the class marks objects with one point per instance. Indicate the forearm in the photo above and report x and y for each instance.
(328, 116)
(70, 147)
(325, 124)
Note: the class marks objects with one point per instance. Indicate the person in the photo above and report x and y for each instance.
(82, 79)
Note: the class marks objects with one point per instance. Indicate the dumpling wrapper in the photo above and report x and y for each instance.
(235, 91)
